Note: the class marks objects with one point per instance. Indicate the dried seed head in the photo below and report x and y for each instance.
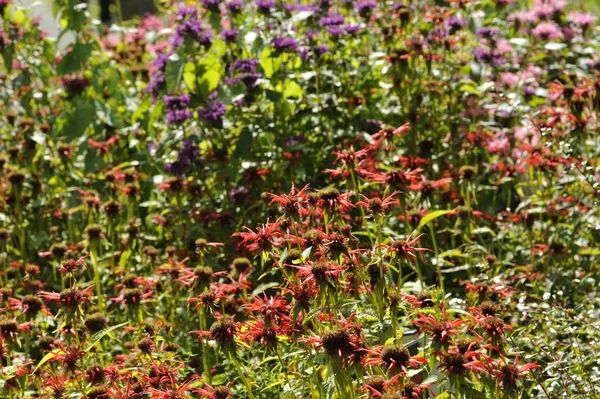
(223, 330)
(203, 274)
(4, 234)
(146, 346)
(395, 356)
(328, 194)
(132, 296)
(93, 232)
(8, 327)
(337, 342)
(488, 308)
(112, 208)
(241, 265)
(376, 382)
(171, 347)
(465, 345)
(150, 252)
(95, 375)
(16, 178)
(95, 322)
(32, 305)
(425, 299)
(454, 364)
(222, 393)
(58, 250)
(45, 342)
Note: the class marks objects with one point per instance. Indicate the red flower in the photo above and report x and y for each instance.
(440, 331)
(456, 364)
(103, 147)
(291, 204)
(271, 308)
(264, 239)
(394, 357)
(172, 393)
(508, 374)
(406, 249)
(220, 392)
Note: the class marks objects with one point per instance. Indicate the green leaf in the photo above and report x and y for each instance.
(189, 76)
(8, 54)
(101, 334)
(209, 72)
(49, 356)
(269, 63)
(470, 89)
(174, 72)
(19, 17)
(292, 89)
(431, 216)
(75, 59)
(443, 395)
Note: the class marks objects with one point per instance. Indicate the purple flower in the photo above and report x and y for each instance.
(312, 34)
(300, 7)
(229, 35)
(335, 31)
(284, 45)
(316, 51)
(365, 7)
(244, 70)
(244, 65)
(213, 112)
(212, 5)
(176, 109)
(295, 140)
(177, 117)
(177, 102)
(487, 32)
(332, 20)
(455, 23)
(158, 80)
(239, 194)
(350, 29)
(185, 159)
(235, 6)
(190, 27)
(265, 6)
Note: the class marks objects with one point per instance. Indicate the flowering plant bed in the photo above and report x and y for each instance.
(321, 199)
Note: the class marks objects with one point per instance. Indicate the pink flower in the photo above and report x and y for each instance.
(582, 19)
(548, 31)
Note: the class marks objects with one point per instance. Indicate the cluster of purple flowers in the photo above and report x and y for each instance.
(189, 26)
(212, 5)
(157, 79)
(337, 31)
(244, 70)
(455, 23)
(229, 35)
(213, 112)
(332, 20)
(265, 6)
(316, 51)
(284, 45)
(365, 7)
(188, 154)
(177, 111)
(235, 6)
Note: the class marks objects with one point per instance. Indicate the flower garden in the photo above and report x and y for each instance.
(313, 199)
